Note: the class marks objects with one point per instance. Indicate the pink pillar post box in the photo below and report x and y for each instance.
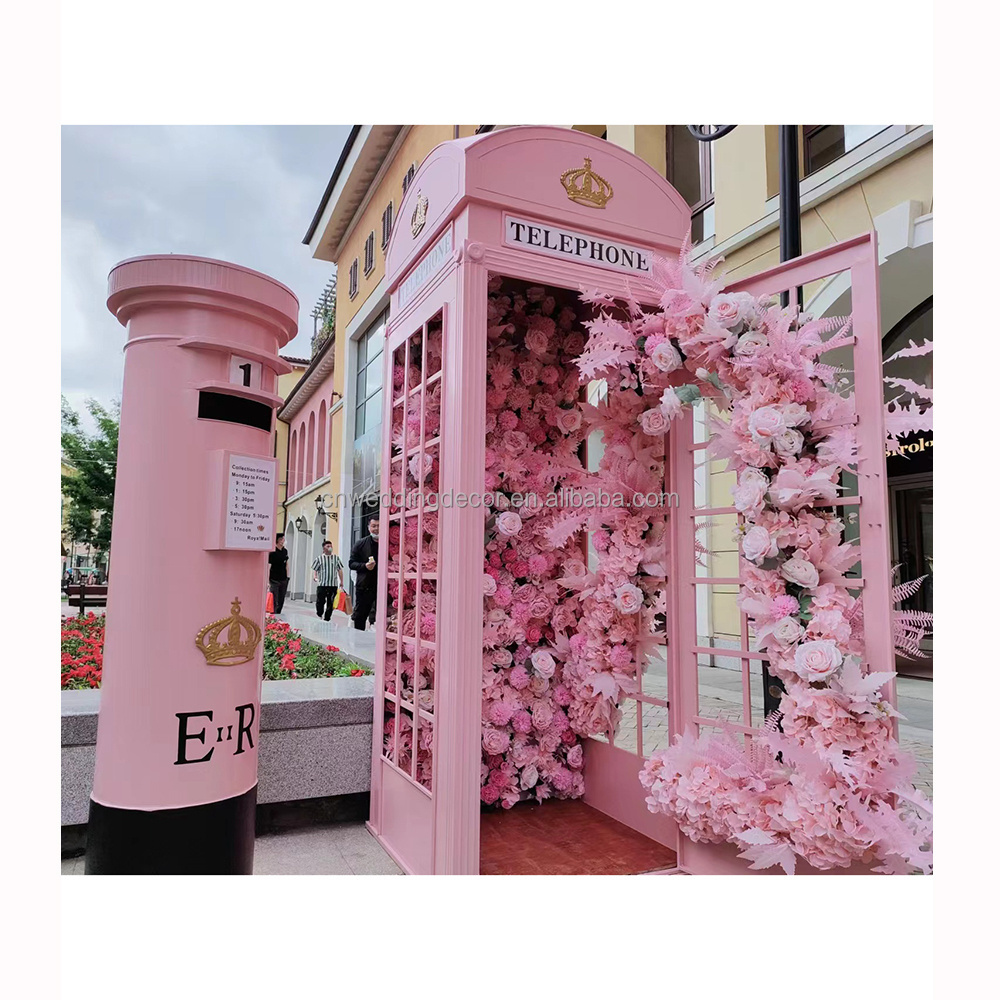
(195, 508)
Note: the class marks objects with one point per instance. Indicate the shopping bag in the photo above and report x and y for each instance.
(340, 601)
(269, 607)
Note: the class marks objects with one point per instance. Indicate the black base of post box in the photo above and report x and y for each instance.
(212, 839)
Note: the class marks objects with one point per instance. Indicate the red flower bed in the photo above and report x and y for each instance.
(82, 651)
(286, 655)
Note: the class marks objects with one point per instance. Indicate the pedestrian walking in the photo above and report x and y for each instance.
(277, 572)
(328, 572)
(364, 561)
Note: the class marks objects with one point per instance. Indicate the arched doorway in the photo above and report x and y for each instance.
(318, 537)
(300, 559)
(290, 537)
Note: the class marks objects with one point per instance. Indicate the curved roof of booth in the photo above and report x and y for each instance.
(520, 169)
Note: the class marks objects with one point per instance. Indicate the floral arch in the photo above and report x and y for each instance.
(823, 779)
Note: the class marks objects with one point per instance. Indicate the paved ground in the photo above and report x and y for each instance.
(340, 849)
(720, 695)
(338, 631)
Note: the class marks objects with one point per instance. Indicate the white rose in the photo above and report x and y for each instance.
(787, 631)
(758, 544)
(765, 422)
(653, 422)
(529, 777)
(628, 598)
(666, 357)
(750, 490)
(795, 414)
(788, 442)
(750, 344)
(728, 310)
(800, 571)
(670, 404)
(818, 659)
(508, 523)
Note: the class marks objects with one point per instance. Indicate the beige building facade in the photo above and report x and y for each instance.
(853, 179)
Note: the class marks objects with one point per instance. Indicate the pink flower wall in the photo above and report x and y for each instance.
(534, 430)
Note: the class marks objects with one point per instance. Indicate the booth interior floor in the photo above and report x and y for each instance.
(564, 838)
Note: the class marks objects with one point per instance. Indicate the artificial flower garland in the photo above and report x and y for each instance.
(823, 780)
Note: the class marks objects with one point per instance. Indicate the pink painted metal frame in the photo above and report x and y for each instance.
(859, 257)
(469, 185)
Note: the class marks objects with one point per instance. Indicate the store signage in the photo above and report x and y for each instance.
(432, 263)
(568, 244)
(250, 502)
(909, 448)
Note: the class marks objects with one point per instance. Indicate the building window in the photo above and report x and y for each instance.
(691, 169)
(386, 225)
(822, 144)
(369, 253)
(353, 283)
(368, 399)
(409, 176)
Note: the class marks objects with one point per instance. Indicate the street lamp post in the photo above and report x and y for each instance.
(790, 246)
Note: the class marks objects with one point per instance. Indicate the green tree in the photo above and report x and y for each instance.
(90, 494)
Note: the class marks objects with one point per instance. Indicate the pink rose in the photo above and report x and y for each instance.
(666, 357)
(817, 660)
(536, 341)
(748, 494)
(800, 571)
(508, 523)
(765, 422)
(575, 756)
(495, 741)
(569, 420)
(653, 422)
(543, 662)
(529, 372)
(489, 585)
(415, 467)
(730, 310)
(628, 598)
(541, 716)
(758, 544)
(788, 442)
(670, 404)
(787, 631)
(750, 344)
(533, 633)
(515, 442)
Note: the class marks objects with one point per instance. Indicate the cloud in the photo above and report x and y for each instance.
(238, 193)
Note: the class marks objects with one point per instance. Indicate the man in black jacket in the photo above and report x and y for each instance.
(364, 562)
(277, 564)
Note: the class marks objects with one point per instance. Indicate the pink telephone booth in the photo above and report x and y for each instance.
(521, 215)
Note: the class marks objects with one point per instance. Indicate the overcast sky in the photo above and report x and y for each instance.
(245, 194)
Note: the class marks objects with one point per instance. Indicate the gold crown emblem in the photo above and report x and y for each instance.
(586, 187)
(241, 639)
(419, 216)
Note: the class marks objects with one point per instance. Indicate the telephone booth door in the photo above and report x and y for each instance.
(476, 208)
(706, 661)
